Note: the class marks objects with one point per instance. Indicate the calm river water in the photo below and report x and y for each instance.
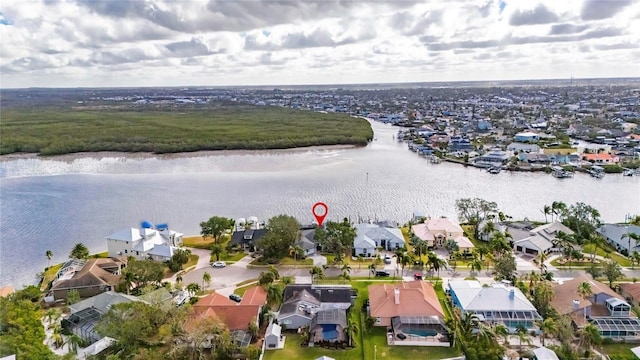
(52, 204)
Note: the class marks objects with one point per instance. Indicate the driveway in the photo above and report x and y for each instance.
(221, 277)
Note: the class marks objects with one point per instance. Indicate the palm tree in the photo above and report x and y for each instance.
(489, 228)
(217, 249)
(542, 257)
(49, 255)
(295, 251)
(588, 336)
(316, 273)
(482, 250)
(629, 236)
(475, 265)
(420, 247)
(274, 295)
(547, 327)
(56, 336)
(635, 259)
(74, 341)
(360, 261)
(501, 330)
(546, 211)
(584, 290)
(193, 288)
(523, 335)
(52, 315)
(351, 330)
(559, 209)
(206, 278)
(372, 269)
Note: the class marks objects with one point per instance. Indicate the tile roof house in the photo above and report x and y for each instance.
(631, 291)
(497, 303)
(408, 306)
(94, 277)
(602, 158)
(157, 243)
(302, 302)
(605, 309)
(541, 238)
(437, 232)
(237, 316)
(371, 236)
(615, 235)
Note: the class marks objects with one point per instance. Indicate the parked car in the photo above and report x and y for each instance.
(235, 297)
(417, 276)
(387, 259)
(219, 264)
(382, 273)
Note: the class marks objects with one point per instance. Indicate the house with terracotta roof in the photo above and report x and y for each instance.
(631, 292)
(411, 310)
(437, 232)
(498, 303)
(236, 316)
(94, 277)
(602, 158)
(605, 309)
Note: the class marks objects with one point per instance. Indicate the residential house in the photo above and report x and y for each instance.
(605, 309)
(493, 157)
(526, 136)
(236, 316)
(437, 232)
(148, 242)
(602, 158)
(498, 303)
(517, 147)
(273, 337)
(617, 236)
(631, 292)
(541, 238)
(247, 238)
(534, 159)
(371, 236)
(485, 235)
(411, 310)
(306, 241)
(86, 314)
(93, 277)
(302, 302)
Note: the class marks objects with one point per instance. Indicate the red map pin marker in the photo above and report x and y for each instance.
(320, 211)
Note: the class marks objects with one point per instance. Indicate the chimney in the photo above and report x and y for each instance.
(396, 295)
(576, 305)
(512, 294)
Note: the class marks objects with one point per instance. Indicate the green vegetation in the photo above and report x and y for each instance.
(197, 242)
(55, 131)
(608, 251)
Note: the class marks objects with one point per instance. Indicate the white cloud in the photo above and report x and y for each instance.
(209, 42)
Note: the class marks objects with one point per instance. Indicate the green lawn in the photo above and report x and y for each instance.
(290, 261)
(104, 254)
(229, 257)
(293, 350)
(623, 261)
(49, 275)
(198, 242)
(376, 340)
(618, 351)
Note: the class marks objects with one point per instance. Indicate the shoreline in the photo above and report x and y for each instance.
(148, 155)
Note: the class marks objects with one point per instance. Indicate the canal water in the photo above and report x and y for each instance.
(51, 204)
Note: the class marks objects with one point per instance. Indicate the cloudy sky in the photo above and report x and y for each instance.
(60, 43)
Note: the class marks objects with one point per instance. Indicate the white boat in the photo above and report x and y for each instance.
(494, 170)
(597, 172)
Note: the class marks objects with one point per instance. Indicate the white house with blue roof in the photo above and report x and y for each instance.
(498, 303)
(149, 241)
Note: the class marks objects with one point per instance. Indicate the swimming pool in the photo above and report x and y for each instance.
(418, 331)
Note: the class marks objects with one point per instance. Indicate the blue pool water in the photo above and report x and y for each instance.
(419, 332)
(329, 332)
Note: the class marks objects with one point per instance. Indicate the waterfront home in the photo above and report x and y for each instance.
(371, 236)
(93, 277)
(498, 303)
(517, 147)
(411, 310)
(247, 238)
(618, 236)
(602, 158)
(306, 240)
(493, 157)
(437, 232)
(302, 302)
(605, 309)
(459, 143)
(147, 242)
(541, 239)
(535, 159)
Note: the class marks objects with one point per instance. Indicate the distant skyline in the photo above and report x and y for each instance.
(113, 43)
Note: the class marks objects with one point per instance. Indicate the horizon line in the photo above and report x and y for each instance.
(274, 86)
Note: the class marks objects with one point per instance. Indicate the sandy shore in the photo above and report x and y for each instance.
(147, 155)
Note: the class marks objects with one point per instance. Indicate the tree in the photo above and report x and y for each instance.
(523, 335)
(547, 211)
(542, 257)
(582, 219)
(474, 211)
(584, 290)
(214, 227)
(588, 336)
(351, 330)
(547, 327)
(542, 296)
(274, 295)
(266, 278)
(420, 247)
(21, 331)
(505, 268)
(317, 273)
(372, 269)
(451, 246)
(56, 336)
(49, 255)
(612, 271)
(282, 232)
(74, 342)
(79, 251)
(635, 259)
(206, 279)
(435, 263)
(179, 258)
(475, 265)
(361, 260)
(145, 272)
(296, 251)
(559, 209)
(253, 329)
(217, 249)
(193, 288)
(72, 297)
(336, 237)
(631, 236)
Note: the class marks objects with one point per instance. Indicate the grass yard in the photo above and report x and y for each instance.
(120, 127)
(229, 257)
(618, 351)
(376, 340)
(293, 350)
(49, 275)
(623, 261)
(101, 255)
(198, 242)
(290, 261)
(193, 260)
